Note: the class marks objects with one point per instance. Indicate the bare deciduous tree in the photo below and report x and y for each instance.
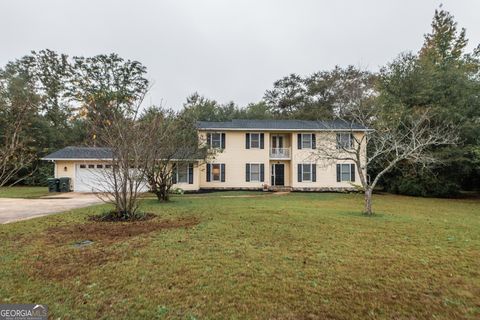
(407, 138)
(125, 178)
(18, 105)
(173, 144)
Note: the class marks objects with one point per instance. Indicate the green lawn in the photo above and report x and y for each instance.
(297, 256)
(23, 192)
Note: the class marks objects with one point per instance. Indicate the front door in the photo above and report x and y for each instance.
(278, 174)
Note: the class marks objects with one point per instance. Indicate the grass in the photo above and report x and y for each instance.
(23, 192)
(297, 256)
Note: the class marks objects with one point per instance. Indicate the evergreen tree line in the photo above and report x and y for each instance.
(65, 93)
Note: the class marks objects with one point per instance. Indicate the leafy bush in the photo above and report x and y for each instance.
(177, 191)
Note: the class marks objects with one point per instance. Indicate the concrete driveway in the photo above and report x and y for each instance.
(21, 209)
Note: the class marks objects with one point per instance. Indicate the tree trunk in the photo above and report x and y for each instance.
(162, 193)
(368, 202)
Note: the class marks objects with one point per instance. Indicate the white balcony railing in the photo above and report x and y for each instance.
(280, 153)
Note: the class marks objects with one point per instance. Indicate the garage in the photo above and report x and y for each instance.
(91, 177)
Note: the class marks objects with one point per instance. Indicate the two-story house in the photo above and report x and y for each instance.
(248, 154)
(281, 154)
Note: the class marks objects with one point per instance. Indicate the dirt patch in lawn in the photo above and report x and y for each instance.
(107, 232)
(64, 260)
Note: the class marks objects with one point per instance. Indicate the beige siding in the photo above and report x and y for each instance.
(65, 169)
(235, 157)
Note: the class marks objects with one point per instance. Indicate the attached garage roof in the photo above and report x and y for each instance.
(283, 125)
(70, 153)
(98, 153)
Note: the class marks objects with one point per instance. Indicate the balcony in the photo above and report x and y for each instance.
(280, 153)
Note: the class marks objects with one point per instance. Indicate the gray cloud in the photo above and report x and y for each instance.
(230, 49)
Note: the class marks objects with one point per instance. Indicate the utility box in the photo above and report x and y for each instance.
(64, 184)
(53, 185)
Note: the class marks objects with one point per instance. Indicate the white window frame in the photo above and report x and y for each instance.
(259, 172)
(349, 172)
(308, 165)
(212, 176)
(251, 139)
(341, 144)
(179, 165)
(309, 135)
(219, 140)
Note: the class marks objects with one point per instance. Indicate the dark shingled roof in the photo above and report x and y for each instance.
(280, 125)
(94, 153)
(80, 153)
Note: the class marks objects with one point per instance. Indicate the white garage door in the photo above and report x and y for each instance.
(91, 178)
(95, 178)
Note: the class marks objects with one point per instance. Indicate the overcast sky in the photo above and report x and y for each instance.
(228, 50)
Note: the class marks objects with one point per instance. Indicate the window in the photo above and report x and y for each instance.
(91, 166)
(182, 173)
(306, 141)
(254, 140)
(344, 140)
(255, 172)
(99, 166)
(82, 166)
(216, 172)
(307, 172)
(345, 172)
(108, 166)
(216, 140)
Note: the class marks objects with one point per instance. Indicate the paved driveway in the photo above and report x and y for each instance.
(21, 209)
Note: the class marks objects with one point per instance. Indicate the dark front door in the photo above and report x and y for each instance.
(278, 174)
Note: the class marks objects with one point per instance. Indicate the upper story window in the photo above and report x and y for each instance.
(254, 140)
(344, 140)
(306, 141)
(216, 140)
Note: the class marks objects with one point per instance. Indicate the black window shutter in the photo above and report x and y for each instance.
(209, 168)
(352, 140)
(338, 173)
(190, 173)
(209, 140)
(262, 141)
(262, 172)
(314, 172)
(299, 172)
(299, 141)
(222, 173)
(223, 140)
(352, 172)
(247, 172)
(174, 173)
(247, 140)
(314, 141)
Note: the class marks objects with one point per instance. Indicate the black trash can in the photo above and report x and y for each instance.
(53, 185)
(64, 184)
